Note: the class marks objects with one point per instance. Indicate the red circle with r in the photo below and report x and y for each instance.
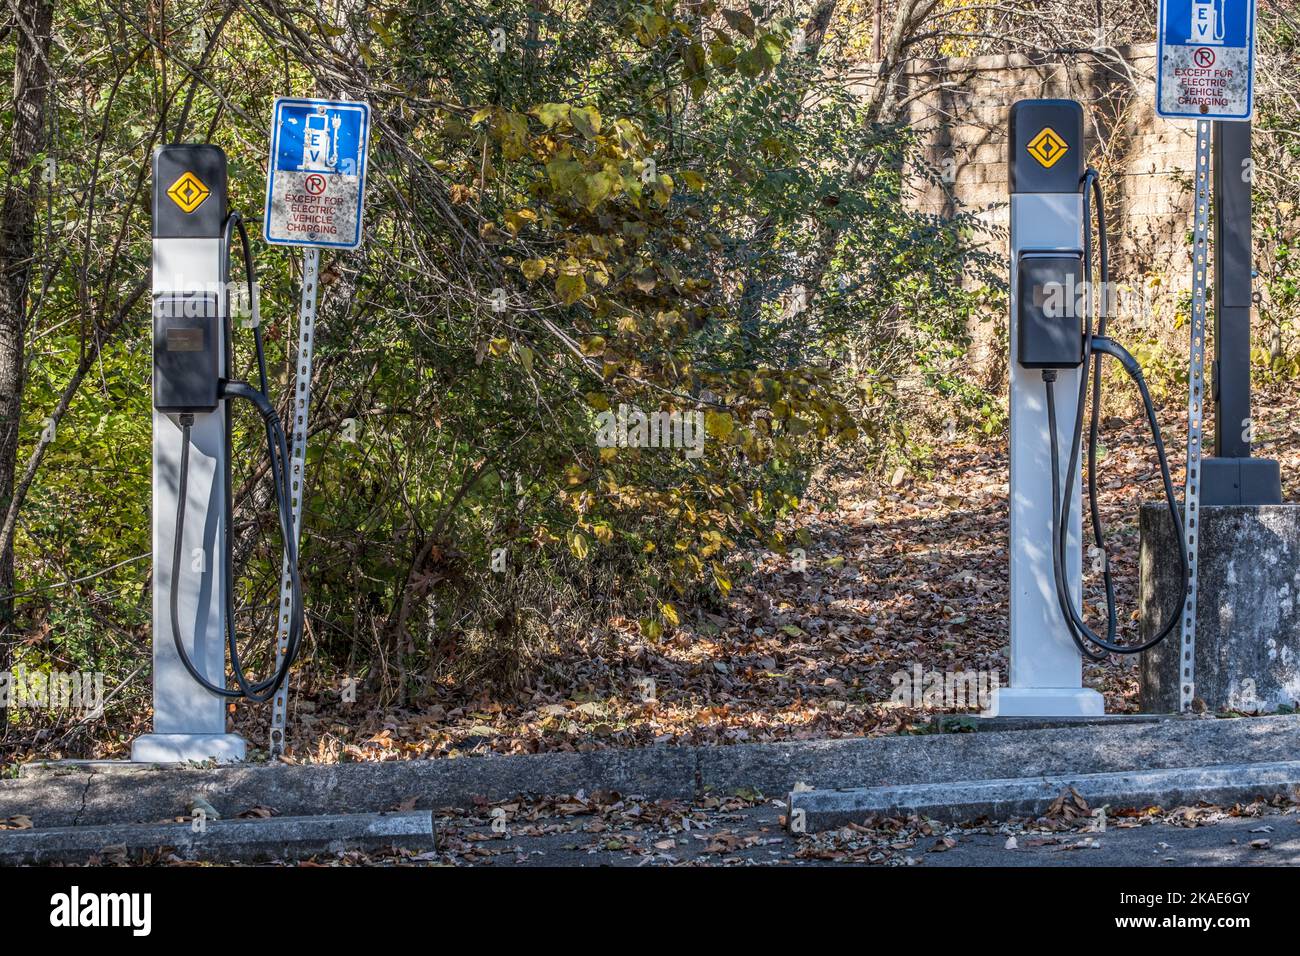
(314, 184)
(1203, 57)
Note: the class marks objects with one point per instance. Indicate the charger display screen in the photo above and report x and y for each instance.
(184, 340)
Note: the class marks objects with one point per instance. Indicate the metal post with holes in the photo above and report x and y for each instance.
(297, 475)
(315, 197)
(1195, 413)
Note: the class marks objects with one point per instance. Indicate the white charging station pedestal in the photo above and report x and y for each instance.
(189, 215)
(1046, 160)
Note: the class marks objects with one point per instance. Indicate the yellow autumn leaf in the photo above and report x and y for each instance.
(551, 113)
(718, 425)
(592, 189)
(586, 120)
(721, 579)
(578, 545)
(570, 288)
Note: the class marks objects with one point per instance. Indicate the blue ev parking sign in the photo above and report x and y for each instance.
(1207, 59)
(316, 180)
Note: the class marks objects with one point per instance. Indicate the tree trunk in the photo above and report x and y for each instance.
(17, 229)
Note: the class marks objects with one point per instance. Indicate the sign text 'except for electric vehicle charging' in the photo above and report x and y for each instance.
(1207, 59)
(316, 181)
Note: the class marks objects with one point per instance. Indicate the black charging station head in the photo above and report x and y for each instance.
(189, 191)
(189, 202)
(1045, 147)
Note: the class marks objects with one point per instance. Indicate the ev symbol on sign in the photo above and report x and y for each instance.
(315, 184)
(1204, 57)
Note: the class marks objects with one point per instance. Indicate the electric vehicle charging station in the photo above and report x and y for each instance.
(193, 574)
(1054, 351)
(1046, 167)
(189, 217)
(314, 198)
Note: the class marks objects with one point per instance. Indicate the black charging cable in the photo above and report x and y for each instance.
(1095, 346)
(278, 452)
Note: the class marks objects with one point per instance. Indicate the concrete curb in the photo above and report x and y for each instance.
(276, 838)
(102, 793)
(814, 810)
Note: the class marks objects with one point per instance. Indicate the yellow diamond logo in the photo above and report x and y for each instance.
(1047, 147)
(188, 192)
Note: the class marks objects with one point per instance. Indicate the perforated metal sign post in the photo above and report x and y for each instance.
(315, 196)
(316, 181)
(1206, 62)
(297, 472)
(1195, 420)
(1206, 59)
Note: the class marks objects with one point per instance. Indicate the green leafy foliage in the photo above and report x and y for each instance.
(656, 206)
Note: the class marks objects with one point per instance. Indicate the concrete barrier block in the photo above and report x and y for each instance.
(814, 810)
(1247, 616)
(276, 838)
